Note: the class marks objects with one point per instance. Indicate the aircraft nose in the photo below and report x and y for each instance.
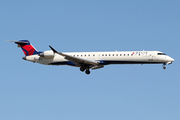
(170, 59)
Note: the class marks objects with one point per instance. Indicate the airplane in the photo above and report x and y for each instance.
(91, 60)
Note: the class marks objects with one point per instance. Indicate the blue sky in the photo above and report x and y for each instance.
(129, 92)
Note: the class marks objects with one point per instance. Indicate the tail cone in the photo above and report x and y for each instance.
(24, 58)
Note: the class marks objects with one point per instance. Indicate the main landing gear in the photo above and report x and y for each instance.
(87, 72)
(164, 67)
(83, 69)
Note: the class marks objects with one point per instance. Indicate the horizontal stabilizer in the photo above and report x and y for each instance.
(18, 42)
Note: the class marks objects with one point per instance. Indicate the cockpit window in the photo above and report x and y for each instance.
(161, 54)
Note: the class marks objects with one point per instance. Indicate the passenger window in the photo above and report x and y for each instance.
(116, 54)
(109, 54)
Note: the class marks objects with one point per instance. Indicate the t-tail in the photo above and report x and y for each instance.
(27, 47)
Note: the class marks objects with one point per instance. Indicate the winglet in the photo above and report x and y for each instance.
(53, 49)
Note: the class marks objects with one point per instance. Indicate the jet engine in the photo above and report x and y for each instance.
(47, 54)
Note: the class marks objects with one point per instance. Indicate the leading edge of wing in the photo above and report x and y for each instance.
(75, 59)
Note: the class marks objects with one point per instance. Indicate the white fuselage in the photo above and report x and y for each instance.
(105, 58)
(91, 60)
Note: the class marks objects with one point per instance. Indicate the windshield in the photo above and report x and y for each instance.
(161, 54)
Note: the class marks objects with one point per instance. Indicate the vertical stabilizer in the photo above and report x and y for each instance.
(27, 48)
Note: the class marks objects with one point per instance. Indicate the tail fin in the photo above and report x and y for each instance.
(26, 46)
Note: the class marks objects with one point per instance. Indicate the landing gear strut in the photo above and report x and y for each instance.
(164, 67)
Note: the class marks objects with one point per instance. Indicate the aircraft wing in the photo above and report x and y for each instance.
(78, 61)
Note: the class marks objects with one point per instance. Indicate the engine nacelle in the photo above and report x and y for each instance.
(47, 54)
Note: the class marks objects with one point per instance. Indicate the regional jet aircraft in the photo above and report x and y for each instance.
(91, 60)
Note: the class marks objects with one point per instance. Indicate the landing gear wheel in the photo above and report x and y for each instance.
(87, 72)
(164, 67)
(82, 69)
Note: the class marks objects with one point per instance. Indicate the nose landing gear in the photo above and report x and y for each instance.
(164, 67)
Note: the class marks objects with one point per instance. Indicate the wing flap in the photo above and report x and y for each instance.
(97, 67)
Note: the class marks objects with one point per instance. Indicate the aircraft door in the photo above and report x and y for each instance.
(150, 57)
